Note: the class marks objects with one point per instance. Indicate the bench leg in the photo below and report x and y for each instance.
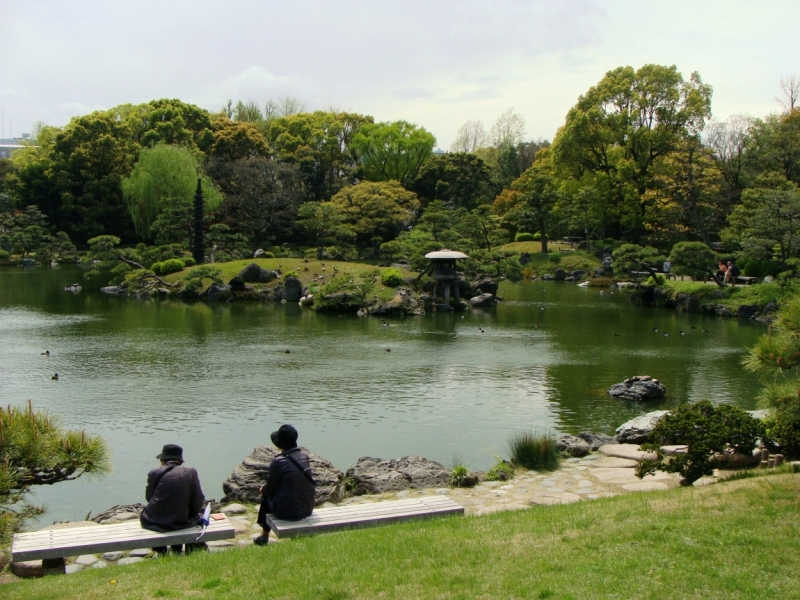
(53, 566)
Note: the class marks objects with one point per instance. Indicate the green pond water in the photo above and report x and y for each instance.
(217, 380)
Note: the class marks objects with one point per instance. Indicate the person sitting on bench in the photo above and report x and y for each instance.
(289, 491)
(174, 497)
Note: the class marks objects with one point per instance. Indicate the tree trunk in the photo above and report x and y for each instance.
(543, 238)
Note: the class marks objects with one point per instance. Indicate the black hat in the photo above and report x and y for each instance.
(285, 437)
(171, 452)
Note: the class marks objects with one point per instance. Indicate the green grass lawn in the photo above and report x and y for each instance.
(736, 539)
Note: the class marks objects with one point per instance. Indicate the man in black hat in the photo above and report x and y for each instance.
(289, 491)
(174, 496)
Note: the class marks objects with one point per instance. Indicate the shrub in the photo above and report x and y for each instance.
(391, 277)
(188, 261)
(4, 256)
(533, 451)
(194, 278)
(173, 265)
(762, 268)
(271, 255)
(706, 429)
(555, 257)
(694, 259)
(629, 257)
(655, 280)
(501, 471)
(524, 237)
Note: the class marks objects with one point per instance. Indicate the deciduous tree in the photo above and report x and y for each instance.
(392, 151)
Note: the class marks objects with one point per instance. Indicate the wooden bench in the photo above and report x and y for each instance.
(746, 280)
(364, 515)
(73, 541)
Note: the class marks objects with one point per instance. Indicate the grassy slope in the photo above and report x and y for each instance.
(305, 270)
(540, 263)
(733, 540)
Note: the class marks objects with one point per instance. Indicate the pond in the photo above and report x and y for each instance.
(217, 379)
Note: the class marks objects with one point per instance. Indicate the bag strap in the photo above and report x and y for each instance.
(302, 470)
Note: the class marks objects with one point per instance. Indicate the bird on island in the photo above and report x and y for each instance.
(705, 330)
(617, 335)
(388, 349)
(46, 353)
(655, 330)
(287, 351)
(542, 308)
(682, 333)
(666, 334)
(55, 377)
(693, 327)
(462, 316)
(601, 292)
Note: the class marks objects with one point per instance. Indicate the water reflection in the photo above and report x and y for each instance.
(217, 378)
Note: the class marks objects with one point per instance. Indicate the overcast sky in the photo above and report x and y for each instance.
(434, 63)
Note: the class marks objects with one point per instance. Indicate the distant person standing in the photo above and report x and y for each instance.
(667, 268)
(174, 497)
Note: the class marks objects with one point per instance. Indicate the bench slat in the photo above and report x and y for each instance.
(106, 538)
(362, 515)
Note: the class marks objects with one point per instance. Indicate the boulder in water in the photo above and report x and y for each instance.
(641, 387)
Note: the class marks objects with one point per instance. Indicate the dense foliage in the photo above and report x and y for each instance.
(639, 159)
(707, 430)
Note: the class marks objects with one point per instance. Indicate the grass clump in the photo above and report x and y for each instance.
(534, 451)
(460, 475)
(502, 470)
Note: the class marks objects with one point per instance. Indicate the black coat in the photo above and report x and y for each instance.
(175, 502)
(289, 493)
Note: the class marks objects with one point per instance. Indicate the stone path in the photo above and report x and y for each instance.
(594, 476)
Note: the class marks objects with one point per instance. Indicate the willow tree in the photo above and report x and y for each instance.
(36, 450)
(163, 182)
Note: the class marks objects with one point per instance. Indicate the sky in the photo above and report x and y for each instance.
(435, 63)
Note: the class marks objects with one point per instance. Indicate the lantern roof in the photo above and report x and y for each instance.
(445, 255)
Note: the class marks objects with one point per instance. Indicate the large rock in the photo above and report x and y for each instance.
(748, 311)
(248, 477)
(641, 387)
(560, 275)
(217, 292)
(595, 440)
(292, 289)
(482, 300)
(484, 285)
(637, 430)
(574, 446)
(255, 273)
(377, 476)
(404, 302)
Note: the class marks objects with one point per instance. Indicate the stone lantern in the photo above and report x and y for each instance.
(443, 271)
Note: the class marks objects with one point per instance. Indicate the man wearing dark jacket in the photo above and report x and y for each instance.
(289, 491)
(174, 496)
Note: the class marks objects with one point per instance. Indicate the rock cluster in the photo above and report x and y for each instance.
(404, 302)
(641, 387)
(572, 445)
(636, 431)
(244, 483)
(376, 475)
(255, 273)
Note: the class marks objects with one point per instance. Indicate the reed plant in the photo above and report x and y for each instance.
(534, 451)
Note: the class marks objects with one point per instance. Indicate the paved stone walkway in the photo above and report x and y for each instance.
(594, 476)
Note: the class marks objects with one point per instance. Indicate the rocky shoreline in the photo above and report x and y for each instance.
(594, 466)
